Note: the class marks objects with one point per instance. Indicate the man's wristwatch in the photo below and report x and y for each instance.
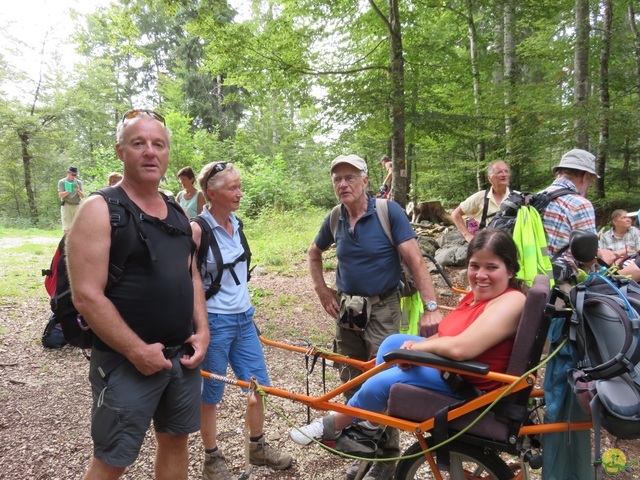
(430, 306)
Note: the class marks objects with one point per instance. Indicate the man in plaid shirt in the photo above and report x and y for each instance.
(576, 171)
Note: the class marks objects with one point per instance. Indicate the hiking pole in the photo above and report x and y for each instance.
(442, 273)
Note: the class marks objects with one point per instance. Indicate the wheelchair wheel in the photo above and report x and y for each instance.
(467, 462)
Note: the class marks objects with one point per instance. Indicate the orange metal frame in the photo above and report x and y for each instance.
(327, 402)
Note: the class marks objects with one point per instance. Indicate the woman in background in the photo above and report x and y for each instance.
(191, 199)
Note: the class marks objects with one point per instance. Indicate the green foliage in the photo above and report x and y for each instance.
(279, 240)
(269, 184)
(299, 82)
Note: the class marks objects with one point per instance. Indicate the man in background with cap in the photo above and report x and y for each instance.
(71, 193)
(368, 268)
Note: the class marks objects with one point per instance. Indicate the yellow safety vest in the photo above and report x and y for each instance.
(531, 241)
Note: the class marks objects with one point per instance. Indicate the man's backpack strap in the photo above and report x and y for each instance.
(122, 216)
(334, 218)
(118, 200)
(550, 197)
(382, 210)
(485, 209)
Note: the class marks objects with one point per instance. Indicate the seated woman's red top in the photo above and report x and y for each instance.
(497, 357)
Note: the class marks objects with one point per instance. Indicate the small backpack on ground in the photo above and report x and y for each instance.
(126, 226)
(208, 240)
(505, 219)
(52, 337)
(605, 329)
(408, 286)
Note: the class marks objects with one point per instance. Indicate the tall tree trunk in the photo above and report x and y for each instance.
(509, 84)
(626, 155)
(636, 43)
(581, 75)
(605, 102)
(399, 180)
(25, 137)
(477, 93)
(412, 170)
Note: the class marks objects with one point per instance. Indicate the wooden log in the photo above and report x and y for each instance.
(432, 211)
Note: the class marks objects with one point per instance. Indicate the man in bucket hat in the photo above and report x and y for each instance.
(576, 171)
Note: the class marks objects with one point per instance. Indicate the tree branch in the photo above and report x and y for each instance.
(381, 15)
(304, 71)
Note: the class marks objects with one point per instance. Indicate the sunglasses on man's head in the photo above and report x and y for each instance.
(134, 113)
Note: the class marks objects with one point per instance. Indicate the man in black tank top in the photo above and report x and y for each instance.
(151, 326)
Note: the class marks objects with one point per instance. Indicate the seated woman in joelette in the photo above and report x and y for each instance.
(481, 328)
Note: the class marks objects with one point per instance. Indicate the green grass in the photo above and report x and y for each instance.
(279, 241)
(21, 264)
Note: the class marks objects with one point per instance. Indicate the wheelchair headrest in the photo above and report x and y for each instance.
(584, 245)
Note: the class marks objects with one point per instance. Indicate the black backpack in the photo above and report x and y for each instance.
(52, 337)
(505, 219)
(208, 240)
(126, 225)
(605, 330)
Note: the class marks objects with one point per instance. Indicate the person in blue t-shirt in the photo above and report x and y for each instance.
(368, 277)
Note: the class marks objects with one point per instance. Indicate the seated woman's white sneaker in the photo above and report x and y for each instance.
(305, 435)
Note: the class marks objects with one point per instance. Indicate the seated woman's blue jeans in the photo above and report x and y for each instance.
(374, 393)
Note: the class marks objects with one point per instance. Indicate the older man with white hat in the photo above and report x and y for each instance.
(368, 275)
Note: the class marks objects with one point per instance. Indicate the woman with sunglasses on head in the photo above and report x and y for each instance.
(481, 328)
(234, 338)
(191, 199)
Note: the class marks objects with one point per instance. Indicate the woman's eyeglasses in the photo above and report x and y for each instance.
(217, 168)
(134, 113)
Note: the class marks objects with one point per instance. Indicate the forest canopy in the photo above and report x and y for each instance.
(442, 88)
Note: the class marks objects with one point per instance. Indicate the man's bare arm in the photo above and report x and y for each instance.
(326, 295)
(410, 252)
(458, 221)
(88, 247)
